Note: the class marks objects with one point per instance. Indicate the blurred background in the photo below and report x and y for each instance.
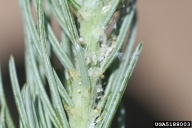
(161, 85)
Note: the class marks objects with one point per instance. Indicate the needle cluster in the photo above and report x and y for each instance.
(86, 91)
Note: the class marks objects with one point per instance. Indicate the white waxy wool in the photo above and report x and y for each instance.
(106, 8)
(88, 60)
(94, 58)
(79, 91)
(80, 39)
